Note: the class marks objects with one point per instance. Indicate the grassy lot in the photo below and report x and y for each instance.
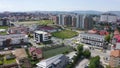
(3, 33)
(9, 61)
(41, 22)
(56, 51)
(1, 62)
(45, 22)
(4, 27)
(65, 34)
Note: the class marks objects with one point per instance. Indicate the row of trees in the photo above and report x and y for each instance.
(81, 53)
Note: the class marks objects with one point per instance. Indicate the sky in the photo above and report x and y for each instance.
(59, 5)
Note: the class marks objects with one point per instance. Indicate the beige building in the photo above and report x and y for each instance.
(115, 59)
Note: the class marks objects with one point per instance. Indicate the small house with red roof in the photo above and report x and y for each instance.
(35, 52)
(116, 32)
(93, 31)
(18, 30)
(103, 32)
(116, 40)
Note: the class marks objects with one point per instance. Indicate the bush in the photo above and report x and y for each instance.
(66, 52)
(95, 62)
(87, 54)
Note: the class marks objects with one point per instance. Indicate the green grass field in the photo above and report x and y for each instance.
(41, 22)
(1, 62)
(65, 34)
(45, 22)
(4, 27)
(3, 33)
(9, 61)
(56, 51)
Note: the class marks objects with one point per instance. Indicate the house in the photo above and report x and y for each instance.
(94, 31)
(18, 30)
(25, 63)
(115, 59)
(92, 39)
(6, 40)
(35, 52)
(41, 36)
(58, 61)
(11, 56)
(116, 40)
(48, 29)
(99, 32)
(103, 32)
(4, 22)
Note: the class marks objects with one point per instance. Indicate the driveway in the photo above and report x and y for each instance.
(82, 63)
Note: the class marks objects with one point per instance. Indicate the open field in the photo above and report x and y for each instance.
(64, 34)
(4, 27)
(41, 22)
(9, 61)
(3, 33)
(56, 51)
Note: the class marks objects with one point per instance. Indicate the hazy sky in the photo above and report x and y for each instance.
(59, 5)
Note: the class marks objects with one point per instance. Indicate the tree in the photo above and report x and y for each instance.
(80, 47)
(107, 38)
(8, 41)
(94, 62)
(79, 50)
(87, 53)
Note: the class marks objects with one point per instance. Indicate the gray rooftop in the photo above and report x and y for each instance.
(12, 36)
(49, 61)
(92, 35)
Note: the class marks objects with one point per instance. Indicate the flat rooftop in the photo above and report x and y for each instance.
(51, 60)
(41, 32)
(12, 36)
(92, 35)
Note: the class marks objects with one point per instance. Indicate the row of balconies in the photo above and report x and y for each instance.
(94, 43)
(93, 38)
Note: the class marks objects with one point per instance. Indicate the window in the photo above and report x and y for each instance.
(50, 67)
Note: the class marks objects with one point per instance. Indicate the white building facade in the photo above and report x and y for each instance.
(108, 17)
(14, 39)
(41, 36)
(92, 39)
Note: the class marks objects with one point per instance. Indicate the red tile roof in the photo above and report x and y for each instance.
(92, 31)
(103, 32)
(36, 50)
(115, 53)
(117, 37)
(116, 32)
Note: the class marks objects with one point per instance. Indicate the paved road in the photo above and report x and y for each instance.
(34, 44)
(102, 55)
(82, 64)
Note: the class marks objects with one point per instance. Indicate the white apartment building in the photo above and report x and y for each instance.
(41, 36)
(58, 61)
(14, 39)
(108, 17)
(92, 39)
